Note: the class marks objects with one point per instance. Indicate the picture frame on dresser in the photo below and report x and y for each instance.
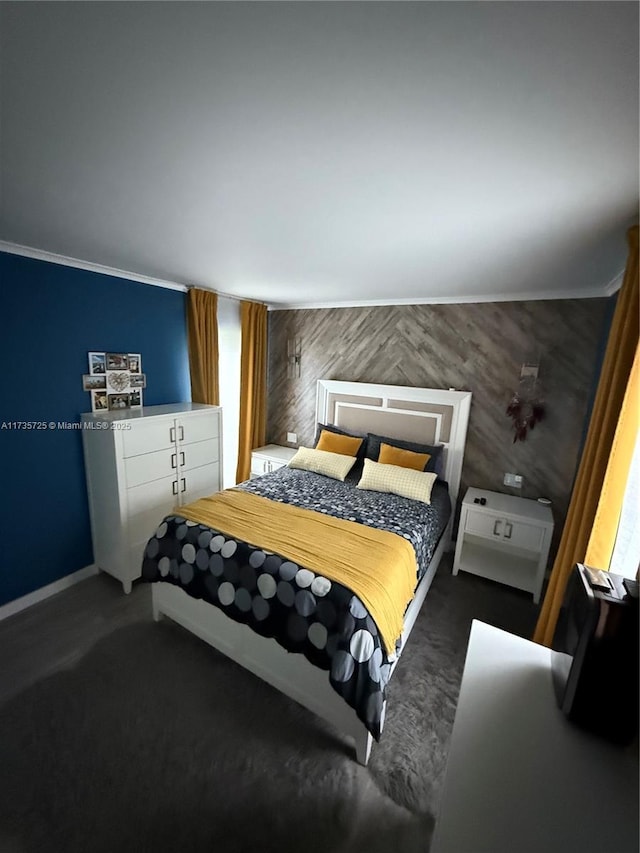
(97, 363)
(117, 361)
(94, 382)
(99, 401)
(134, 362)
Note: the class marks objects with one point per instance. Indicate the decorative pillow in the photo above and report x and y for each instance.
(339, 431)
(334, 465)
(334, 442)
(390, 455)
(434, 450)
(406, 482)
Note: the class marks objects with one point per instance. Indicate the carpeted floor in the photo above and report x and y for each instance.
(155, 742)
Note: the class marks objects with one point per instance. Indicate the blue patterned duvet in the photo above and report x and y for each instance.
(303, 611)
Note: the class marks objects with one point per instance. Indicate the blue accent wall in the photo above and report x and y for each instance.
(50, 317)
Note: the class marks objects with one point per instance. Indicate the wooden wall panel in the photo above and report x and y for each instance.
(477, 347)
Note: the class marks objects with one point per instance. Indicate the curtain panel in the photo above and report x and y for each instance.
(607, 408)
(202, 328)
(253, 384)
(605, 526)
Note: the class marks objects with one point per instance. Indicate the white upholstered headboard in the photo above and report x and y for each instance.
(427, 415)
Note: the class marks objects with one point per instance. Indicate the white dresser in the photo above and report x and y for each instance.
(140, 464)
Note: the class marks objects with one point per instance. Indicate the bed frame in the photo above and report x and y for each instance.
(418, 414)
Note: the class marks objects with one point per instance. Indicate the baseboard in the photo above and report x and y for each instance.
(44, 592)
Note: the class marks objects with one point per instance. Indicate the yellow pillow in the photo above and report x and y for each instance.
(390, 455)
(332, 442)
(416, 485)
(334, 465)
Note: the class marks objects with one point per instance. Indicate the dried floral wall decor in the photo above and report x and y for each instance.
(526, 407)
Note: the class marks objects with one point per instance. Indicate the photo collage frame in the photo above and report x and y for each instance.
(115, 381)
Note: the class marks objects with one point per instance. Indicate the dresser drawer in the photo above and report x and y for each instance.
(199, 483)
(198, 428)
(197, 454)
(150, 466)
(146, 436)
(147, 506)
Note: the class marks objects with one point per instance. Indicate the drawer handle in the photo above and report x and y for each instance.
(174, 460)
(181, 438)
(184, 485)
(174, 487)
(496, 528)
(508, 530)
(182, 462)
(172, 435)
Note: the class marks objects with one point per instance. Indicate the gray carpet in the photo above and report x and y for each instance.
(155, 742)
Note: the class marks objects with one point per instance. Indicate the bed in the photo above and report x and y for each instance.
(310, 637)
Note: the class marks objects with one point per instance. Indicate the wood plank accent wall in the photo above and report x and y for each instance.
(478, 347)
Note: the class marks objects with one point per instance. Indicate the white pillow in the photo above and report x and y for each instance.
(334, 465)
(405, 482)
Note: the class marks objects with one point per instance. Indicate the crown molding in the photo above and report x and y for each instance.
(530, 296)
(77, 263)
(101, 269)
(614, 285)
(51, 257)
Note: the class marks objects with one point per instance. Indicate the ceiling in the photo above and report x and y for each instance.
(326, 153)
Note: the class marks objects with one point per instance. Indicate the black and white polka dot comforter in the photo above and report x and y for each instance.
(304, 612)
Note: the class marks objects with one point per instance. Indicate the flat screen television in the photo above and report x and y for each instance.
(595, 654)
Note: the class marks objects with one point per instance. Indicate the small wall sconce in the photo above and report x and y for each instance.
(526, 407)
(293, 357)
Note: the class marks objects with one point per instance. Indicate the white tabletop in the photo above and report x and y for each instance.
(509, 505)
(148, 412)
(276, 451)
(519, 776)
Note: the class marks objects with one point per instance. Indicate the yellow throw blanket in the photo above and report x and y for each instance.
(378, 566)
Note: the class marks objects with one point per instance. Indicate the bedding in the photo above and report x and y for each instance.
(385, 588)
(336, 430)
(300, 608)
(434, 463)
(336, 443)
(334, 465)
(406, 482)
(390, 455)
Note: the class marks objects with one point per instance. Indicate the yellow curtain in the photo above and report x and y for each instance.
(202, 328)
(614, 377)
(605, 525)
(253, 384)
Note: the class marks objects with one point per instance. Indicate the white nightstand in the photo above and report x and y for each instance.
(506, 540)
(269, 458)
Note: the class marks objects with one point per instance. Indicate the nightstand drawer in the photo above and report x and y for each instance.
(261, 466)
(517, 533)
(270, 458)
